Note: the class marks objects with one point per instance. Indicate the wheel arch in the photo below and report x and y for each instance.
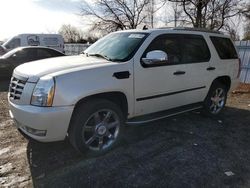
(225, 80)
(117, 97)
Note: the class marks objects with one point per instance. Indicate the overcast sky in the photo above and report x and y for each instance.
(42, 16)
(37, 16)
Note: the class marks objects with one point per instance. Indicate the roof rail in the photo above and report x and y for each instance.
(197, 29)
(192, 29)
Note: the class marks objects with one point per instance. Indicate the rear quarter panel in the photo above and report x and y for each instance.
(224, 67)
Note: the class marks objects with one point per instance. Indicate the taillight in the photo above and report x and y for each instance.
(239, 70)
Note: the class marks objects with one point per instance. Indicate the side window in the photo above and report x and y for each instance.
(55, 53)
(44, 53)
(22, 54)
(224, 48)
(168, 44)
(194, 49)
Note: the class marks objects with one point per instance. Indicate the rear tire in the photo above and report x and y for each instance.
(216, 99)
(96, 127)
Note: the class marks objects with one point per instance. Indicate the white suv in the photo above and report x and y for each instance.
(127, 77)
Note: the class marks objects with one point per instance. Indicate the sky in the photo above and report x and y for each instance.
(41, 16)
(37, 16)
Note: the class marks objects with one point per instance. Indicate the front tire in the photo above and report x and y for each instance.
(216, 99)
(96, 127)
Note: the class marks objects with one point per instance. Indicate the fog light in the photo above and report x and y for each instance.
(34, 131)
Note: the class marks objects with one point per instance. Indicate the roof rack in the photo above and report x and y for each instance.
(192, 29)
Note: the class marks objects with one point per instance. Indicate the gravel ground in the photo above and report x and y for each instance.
(187, 150)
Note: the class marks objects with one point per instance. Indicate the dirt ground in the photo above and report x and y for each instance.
(188, 150)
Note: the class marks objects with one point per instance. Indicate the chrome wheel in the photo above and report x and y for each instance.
(217, 101)
(101, 130)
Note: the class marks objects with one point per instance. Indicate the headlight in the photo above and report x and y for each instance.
(43, 93)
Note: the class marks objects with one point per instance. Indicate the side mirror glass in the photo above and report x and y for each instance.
(155, 57)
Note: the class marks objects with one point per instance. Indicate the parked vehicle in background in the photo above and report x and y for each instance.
(133, 76)
(2, 50)
(54, 41)
(18, 56)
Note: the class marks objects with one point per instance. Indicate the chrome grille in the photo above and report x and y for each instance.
(16, 88)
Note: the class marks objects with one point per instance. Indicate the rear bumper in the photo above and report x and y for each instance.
(54, 121)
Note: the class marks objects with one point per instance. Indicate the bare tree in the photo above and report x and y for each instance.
(232, 29)
(112, 15)
(247, 25)
(211, 14)
(152, 8)
(247, 31)
(70, 33)
(151, 12)
(178, 17)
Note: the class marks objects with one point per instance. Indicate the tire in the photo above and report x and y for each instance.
(216, 99)
(96, 127)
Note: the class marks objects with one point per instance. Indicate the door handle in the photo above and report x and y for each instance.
(179, 72)
(211, 68)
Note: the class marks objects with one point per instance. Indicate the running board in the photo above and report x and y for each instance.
(163, 114)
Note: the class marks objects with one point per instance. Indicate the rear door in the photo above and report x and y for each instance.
(227, 62)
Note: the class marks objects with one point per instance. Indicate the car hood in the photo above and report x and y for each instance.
(36, 69)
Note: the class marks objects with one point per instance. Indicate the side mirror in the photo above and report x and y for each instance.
(155, 57)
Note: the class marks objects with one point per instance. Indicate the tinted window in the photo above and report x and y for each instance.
(168, 44)
(22, 56)
(55, 53)
(181, 48)
(224, 48)
(43, 53)
(195, 49)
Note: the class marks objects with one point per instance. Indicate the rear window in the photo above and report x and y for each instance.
(224, 48)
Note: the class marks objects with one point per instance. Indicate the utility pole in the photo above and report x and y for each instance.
(152, 4)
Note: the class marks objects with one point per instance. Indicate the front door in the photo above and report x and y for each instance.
(178, 81)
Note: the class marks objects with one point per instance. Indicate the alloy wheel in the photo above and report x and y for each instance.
(101, 130)
(217, 101)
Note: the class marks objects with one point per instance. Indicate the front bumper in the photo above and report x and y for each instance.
(53, 120)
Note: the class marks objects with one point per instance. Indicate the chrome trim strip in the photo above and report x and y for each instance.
(168, 94)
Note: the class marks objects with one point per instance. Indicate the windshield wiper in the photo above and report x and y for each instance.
(100, 55)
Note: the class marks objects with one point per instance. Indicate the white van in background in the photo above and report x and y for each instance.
(49, 40)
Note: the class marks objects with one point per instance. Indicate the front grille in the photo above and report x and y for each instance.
(16, 88)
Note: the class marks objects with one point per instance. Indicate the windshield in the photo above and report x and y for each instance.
(12, 43)
(117, 46)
